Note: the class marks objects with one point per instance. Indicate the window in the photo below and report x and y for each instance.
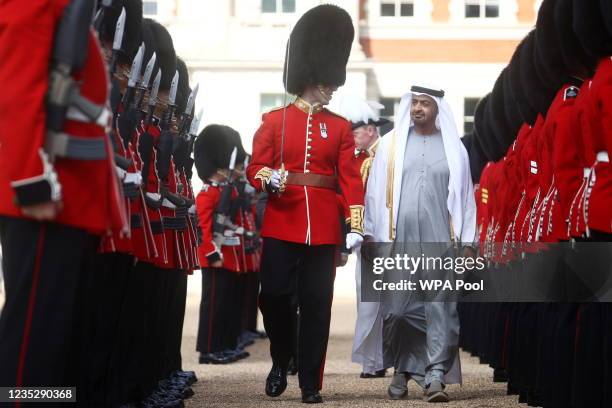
(149, 7)
(481, 8)
(469, 108)
(390, 107)
(278, 6)
(396, 8)
(272, 100)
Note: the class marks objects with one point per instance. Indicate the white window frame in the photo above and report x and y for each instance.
(469, 118)
(482, 15)
(156, 2)
(279, 8)
(398, 4)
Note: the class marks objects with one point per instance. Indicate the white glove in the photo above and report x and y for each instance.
(353, 240)
(275, 180)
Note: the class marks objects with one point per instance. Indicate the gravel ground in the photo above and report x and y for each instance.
(241, 384)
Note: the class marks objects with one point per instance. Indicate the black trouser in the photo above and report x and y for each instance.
(47, 272)
(110, 285)
(249, 317)
(214, 328)
(132, 354)
(314, 268)
(176, 318)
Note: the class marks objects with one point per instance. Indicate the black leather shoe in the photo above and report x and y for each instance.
(377, 374)
(214, 358)
(276, 383)
(311, 397)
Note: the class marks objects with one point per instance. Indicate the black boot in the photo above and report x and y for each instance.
(311, 396)
(276, 383)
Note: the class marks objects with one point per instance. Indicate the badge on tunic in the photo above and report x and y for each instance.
(323, 128)
(571, 93)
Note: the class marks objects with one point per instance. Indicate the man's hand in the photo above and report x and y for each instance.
(353, 240)
(343, 259)
(43, 212)
(217, 264)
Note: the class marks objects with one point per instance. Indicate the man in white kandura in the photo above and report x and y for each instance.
(420, 191)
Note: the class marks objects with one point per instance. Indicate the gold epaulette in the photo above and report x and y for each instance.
(275, 109)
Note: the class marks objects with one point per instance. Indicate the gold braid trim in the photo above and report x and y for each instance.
(365, 169)
(265, 174)
(357, 218)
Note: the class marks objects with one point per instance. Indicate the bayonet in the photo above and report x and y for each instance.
(173, 89)
(153, 96)
(232, 163)
(195, 124)
(119, 30)
(191, 100)
(146, 78)
(117, 40)
(136, 67)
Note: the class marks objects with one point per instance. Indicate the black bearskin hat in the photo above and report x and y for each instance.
(575, 57)
(154, 33)
(475, 154)
(528, 113)
(606, 12)
(538, 95)
(213, 148)
(482, 130)
(132, 34)
(549, 58)
(318, 49)
(590, 28)
(513, 114)
(504, 130)
(183, 92)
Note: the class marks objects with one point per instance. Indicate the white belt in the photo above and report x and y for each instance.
(166, 203)
(603, 157)
(120, 172)
(134, 178)
(103, 120)
(231, 241)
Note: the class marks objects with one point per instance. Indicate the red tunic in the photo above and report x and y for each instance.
(598, 197)
(318, 143)
(90, 191)
(563, 141)
(206, 203)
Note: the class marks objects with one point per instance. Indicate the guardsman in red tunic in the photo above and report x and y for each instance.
(58, 186)
(301, 154)
(216, 150)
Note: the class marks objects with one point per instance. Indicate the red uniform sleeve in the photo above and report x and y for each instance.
(206, 202)
(349, 180)
(262, 159)
(26, 35)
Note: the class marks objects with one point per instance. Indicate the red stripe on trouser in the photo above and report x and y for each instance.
(322, 367)
(212, 309)
(23, 349)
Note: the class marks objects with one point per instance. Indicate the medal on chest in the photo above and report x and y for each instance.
(323, 129)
